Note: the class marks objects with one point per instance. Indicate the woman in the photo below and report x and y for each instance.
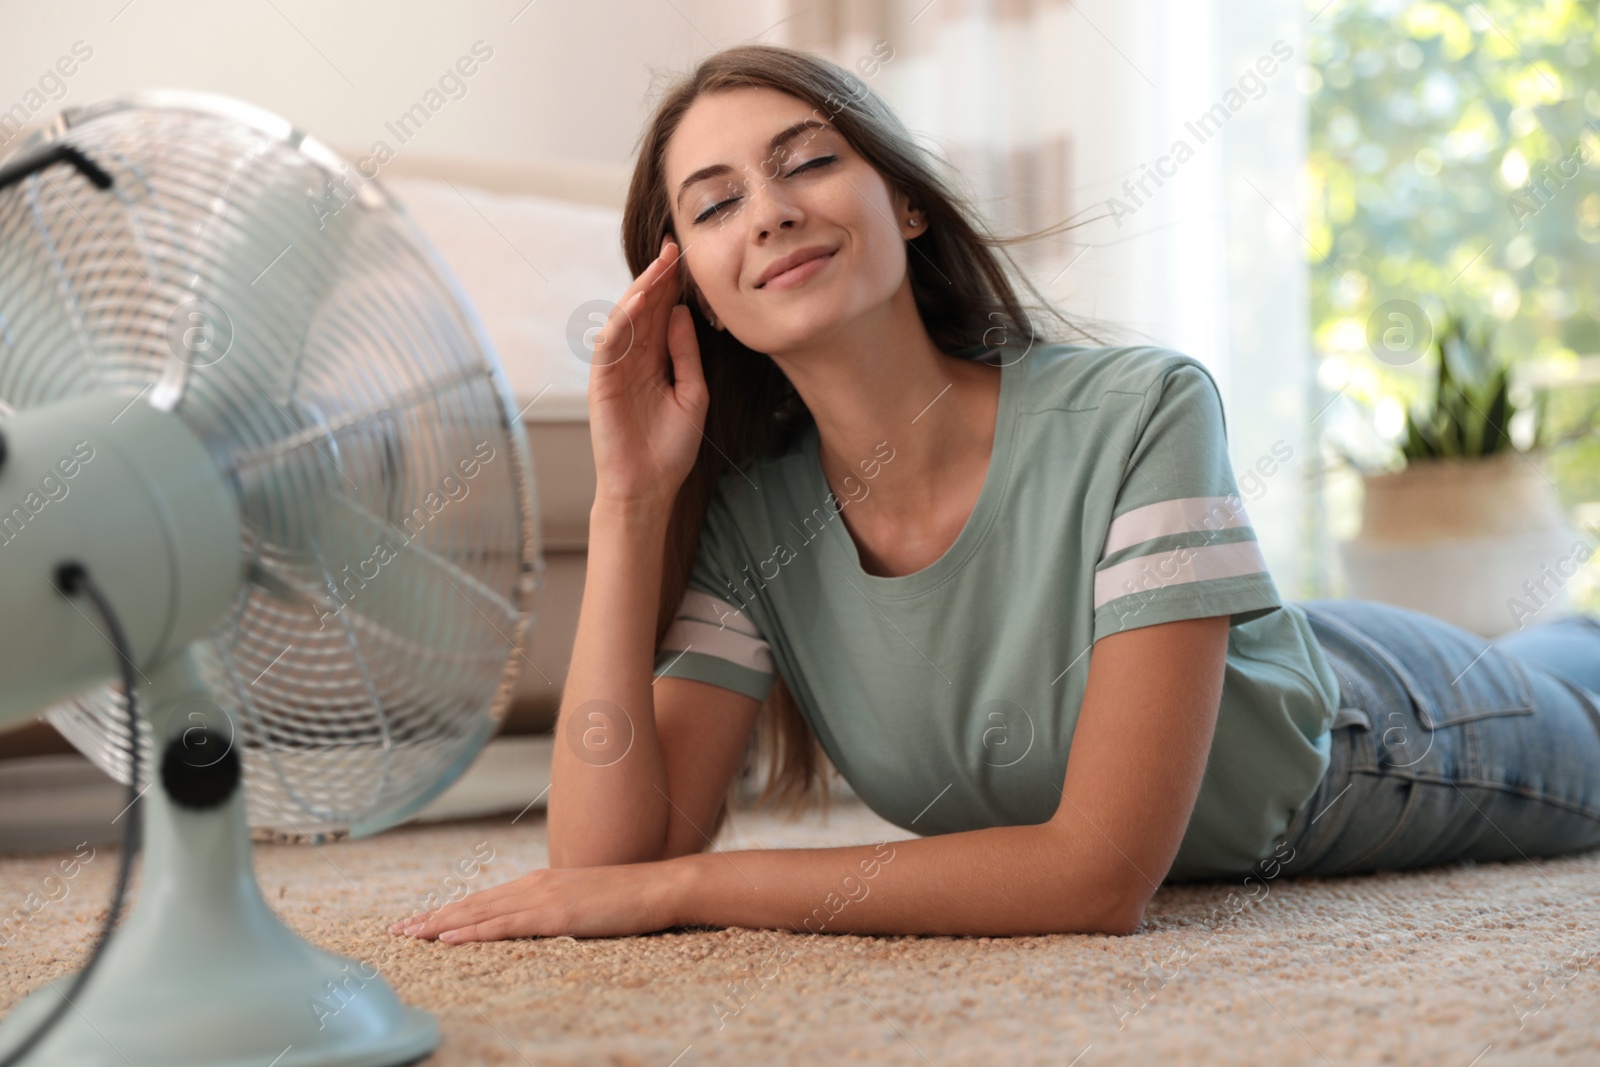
(950, 553)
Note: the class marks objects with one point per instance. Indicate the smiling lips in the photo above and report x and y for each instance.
(795, 268)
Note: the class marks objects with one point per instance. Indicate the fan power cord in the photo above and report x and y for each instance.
(48, 156)
(71, 579)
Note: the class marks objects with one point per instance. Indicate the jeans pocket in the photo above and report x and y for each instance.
(1450, 688)
(1350, 715)
(1451, 675)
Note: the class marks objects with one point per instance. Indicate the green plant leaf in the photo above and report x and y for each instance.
(1472, 406)
(1497, 413)
(1417, 446)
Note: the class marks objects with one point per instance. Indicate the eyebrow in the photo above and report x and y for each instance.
(778, 141)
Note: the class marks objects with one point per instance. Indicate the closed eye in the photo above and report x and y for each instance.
(716, 209)
(819, 161)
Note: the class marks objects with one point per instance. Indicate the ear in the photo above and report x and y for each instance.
(906, 209)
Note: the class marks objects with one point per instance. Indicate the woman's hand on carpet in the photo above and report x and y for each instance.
(611, 901)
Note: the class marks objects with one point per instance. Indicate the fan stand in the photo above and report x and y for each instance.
(202, 971)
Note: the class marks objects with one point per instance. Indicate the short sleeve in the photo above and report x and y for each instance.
(713, 638)
(1180, 545)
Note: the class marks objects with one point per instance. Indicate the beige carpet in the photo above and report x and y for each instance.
(1422, 968)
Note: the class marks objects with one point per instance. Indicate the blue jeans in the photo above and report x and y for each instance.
(1449, 747)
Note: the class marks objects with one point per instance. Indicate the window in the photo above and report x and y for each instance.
(1454, 161)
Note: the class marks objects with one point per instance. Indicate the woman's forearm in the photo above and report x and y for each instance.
(608, 780)
(998, 881)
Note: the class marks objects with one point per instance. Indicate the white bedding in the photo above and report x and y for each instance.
(527, 264)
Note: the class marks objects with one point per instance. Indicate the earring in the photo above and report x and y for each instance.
(915, 222)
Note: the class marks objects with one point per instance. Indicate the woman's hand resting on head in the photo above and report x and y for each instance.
(645, 429)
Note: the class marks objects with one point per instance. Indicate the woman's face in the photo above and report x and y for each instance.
(764, 203)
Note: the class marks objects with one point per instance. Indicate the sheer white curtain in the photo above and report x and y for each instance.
(1177, 126)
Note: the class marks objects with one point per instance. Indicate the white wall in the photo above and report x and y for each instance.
(566, 80)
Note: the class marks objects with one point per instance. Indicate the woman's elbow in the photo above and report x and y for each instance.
(1126, 920)
(1116, 919)
(1121, 910)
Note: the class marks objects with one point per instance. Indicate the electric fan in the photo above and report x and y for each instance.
(253, 438)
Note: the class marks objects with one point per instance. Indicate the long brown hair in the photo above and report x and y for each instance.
(961, 276)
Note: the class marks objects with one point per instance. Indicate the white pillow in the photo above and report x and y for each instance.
(527, 264)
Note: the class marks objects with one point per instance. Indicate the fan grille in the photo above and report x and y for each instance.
(332, 366)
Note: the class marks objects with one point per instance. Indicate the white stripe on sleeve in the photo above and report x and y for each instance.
(1145, 574)
(714, 627)
(1190, 514)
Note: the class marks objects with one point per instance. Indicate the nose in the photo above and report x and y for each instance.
(772, 207)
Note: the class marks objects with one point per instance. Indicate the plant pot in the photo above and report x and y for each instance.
(1481, 543)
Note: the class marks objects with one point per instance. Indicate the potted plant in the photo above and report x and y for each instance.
(1469, 527)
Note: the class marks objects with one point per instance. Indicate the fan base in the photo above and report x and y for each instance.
(102, 1031)
(203, 972)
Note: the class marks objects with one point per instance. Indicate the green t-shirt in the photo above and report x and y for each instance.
(947, 698)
